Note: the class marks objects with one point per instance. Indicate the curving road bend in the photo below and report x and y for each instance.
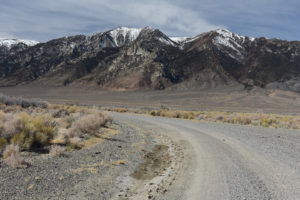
(226, 161)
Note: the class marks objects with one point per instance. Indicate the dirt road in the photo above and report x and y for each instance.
(229, 161)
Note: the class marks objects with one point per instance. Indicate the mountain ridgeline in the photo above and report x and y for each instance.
(132, 59)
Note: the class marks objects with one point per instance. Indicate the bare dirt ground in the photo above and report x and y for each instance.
(219, 99)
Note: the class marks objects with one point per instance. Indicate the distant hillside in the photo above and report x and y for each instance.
(145, 58)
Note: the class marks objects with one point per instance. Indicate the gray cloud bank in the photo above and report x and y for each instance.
(43, 20)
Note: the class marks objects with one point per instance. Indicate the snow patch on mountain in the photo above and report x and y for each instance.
(229, 39)
(167, 41)
(251, 39)
(127, 33)
(225, 42)
(10, 42)
(232, 36)
(227, 34)
(179, 39)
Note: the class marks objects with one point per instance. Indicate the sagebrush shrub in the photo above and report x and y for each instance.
(88, 124)
(11, 126)
(32, 131)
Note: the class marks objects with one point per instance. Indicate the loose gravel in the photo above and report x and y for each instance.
(95, 173)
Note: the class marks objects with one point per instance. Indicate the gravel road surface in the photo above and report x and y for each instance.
(224, 161)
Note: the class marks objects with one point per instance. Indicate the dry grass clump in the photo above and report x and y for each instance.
(120, 110)
(75, 143)
(61, 137)
(121, 162)
(173, 114)
(12, 157)
(56, 150)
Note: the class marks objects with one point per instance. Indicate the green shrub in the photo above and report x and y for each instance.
(25, 140)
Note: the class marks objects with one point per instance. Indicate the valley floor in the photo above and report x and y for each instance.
(219, 99)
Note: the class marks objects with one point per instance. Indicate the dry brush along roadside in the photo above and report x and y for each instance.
(287, 121)
(28, 125)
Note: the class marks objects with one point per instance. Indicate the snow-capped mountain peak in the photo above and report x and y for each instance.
(230, 40)
(122, 34)
(11, 42)
(226, 34)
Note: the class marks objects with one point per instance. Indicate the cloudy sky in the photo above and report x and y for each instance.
(48, 19)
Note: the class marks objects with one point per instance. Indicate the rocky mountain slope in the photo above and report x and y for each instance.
(8, 46)
(130, 59)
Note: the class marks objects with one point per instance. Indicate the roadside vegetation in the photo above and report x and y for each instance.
(31, 125)
(254, 119)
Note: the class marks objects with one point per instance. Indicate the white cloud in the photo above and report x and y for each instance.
(73, 17)
(43, 20)
(163, 14)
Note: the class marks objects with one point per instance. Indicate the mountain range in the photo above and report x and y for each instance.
(145, 58)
